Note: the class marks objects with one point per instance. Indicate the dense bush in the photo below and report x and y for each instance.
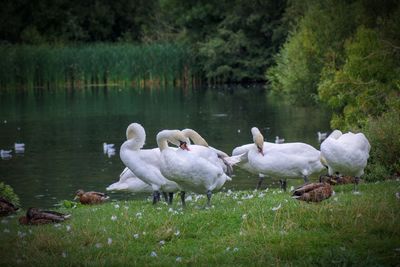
(8, 193)
(383, 134)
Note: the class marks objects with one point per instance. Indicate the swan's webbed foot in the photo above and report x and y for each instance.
(260, 181)
(170, 198)
(283, 183)
(183, 198)
(209, 193)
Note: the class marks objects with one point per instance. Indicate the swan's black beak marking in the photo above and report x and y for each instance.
(183, 145)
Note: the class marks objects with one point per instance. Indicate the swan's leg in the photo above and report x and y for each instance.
(209, 193)
(156, 197)
(283, 183)
(183, 198)
(165, 196)
(171, 197)
(305, 179)
(260, 180)
(356, 181)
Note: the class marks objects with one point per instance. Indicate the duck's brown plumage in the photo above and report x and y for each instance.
(314, 192)
(91, 197)
(36, 216)
(6, 207)
(337, 180)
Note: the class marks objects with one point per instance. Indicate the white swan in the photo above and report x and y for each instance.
(279, 140)
(213, 155)
(191, 171)
(243, 151)
(288, 160)
(321, 136)
(130, 183)
(346, 154)
(145, 163)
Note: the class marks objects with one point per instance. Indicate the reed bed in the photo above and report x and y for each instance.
(95, 64)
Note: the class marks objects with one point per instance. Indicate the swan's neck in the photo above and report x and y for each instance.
(195, 137)
(136, 136)
(162, 139)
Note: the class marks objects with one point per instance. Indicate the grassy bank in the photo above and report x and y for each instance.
(241, 228)
(97, 64)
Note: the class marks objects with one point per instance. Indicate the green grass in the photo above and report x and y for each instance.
(96, 64)
(240, 229)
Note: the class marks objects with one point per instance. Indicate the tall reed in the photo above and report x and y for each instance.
(95, 64)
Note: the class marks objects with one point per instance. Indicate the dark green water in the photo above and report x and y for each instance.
(64, 130)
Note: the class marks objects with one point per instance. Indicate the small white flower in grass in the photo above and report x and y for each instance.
(261, 195)
(114, 218)
(109, 241)
(162, 242)
(159, 208)
(235, 249)
(189, 198)
(136, 236)
(153, 254)
(144, 233)
(335, 199)
(139, 214)
(239, 202)
(170, 210)
(177, 233)
(6, 230)
(228, 248)
(57, 225)
(116, 206)
(333, 193)
(98, 245)
(126, 207)
(21, 234)
(178, 259)
(244, 216)
(292, 188)
(286, 200)
(68, 227)
(342, 248)
(229, 192)
(356, 193)
(64, 254)
(277, 207)
(4, 221)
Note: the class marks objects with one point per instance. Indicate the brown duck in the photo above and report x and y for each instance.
(337, 180)
(314, 192)
(36, 216)
(6, 207)
(90, 197)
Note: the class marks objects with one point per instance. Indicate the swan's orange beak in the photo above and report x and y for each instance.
(260, 150)
(183, 145)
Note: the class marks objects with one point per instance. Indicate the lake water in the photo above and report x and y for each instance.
(64, 130)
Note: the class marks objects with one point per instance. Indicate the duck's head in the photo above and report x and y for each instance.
(79, 193)
(258, 139)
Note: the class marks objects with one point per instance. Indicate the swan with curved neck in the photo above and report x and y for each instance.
(287, 160)
(191, 171)
(145, 163)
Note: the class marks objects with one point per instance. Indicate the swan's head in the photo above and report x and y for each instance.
(180, 139)
(258, 139)
(175, 137)
(136, 131)
(195, 137)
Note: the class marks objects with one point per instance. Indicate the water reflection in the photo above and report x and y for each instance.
(64, 131)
